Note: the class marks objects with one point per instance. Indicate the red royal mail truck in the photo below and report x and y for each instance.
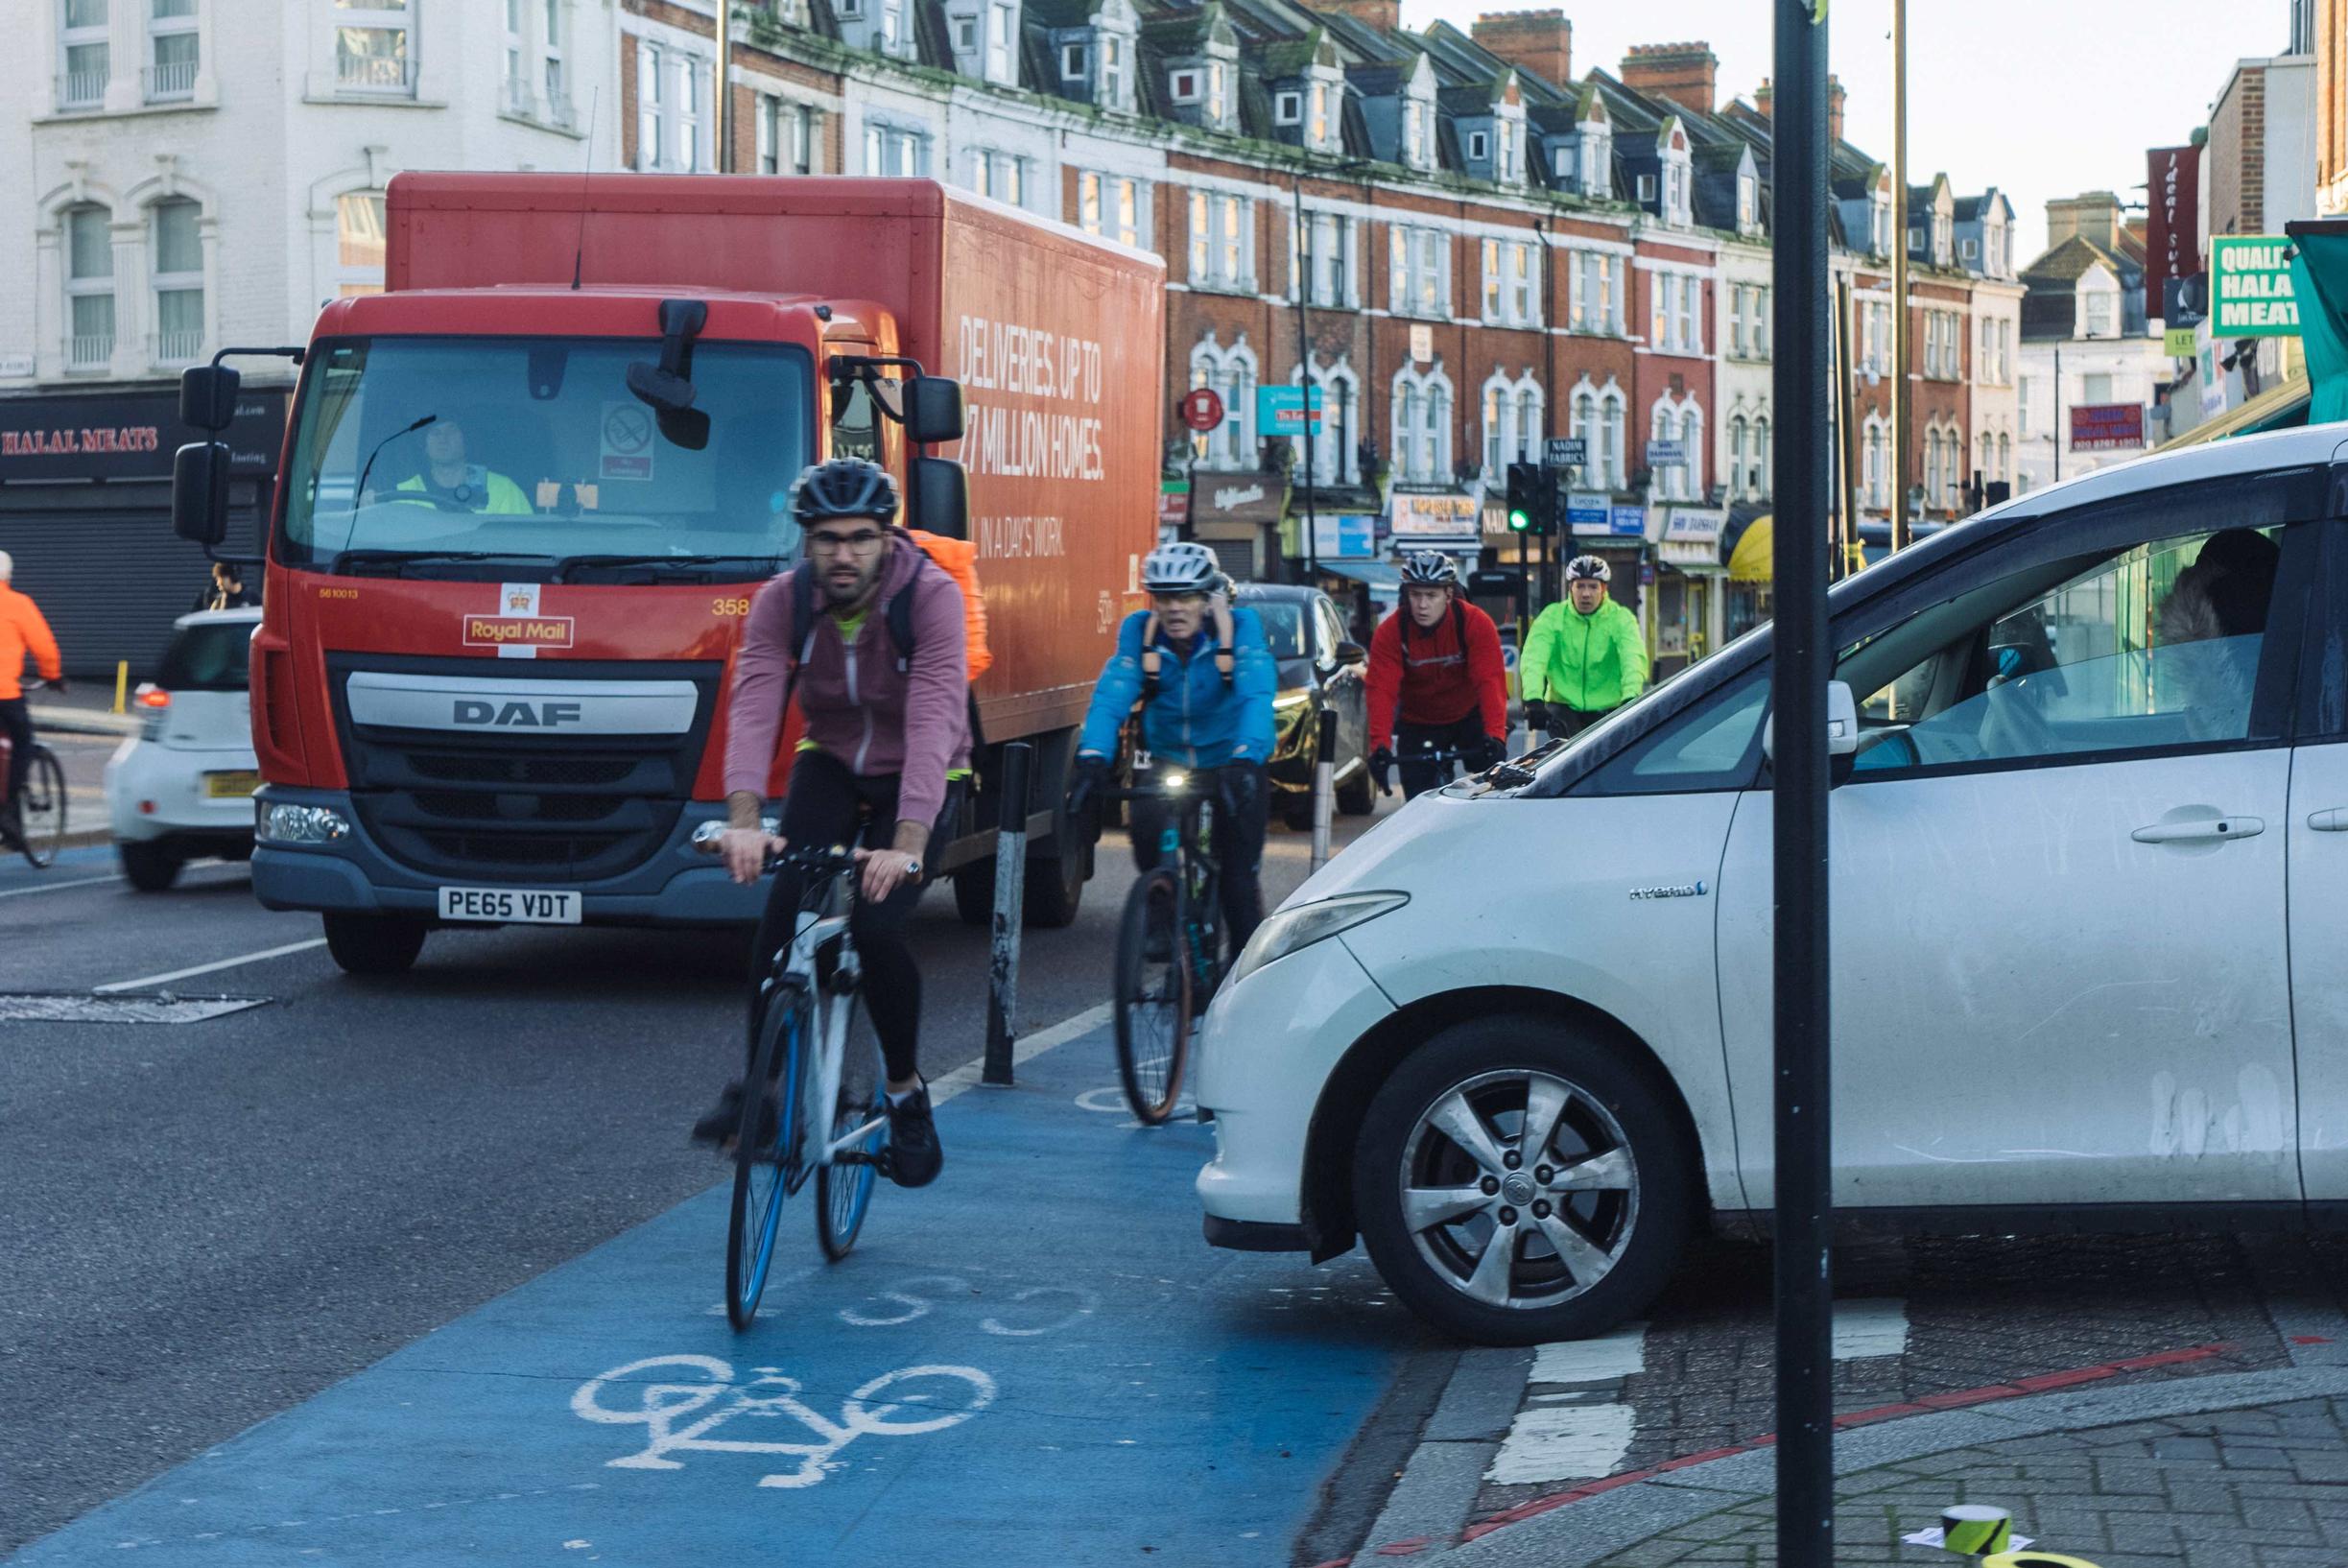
(528, 490)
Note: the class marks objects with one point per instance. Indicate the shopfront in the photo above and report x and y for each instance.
(85, 510)
(1689, 604)
(1237, 516)
(1751, 548)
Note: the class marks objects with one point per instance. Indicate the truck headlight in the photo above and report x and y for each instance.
(1291, 929)
(278, 823)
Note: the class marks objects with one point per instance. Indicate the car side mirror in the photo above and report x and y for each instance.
(1841, 729)
(940, 502)
(1352, 656)
(933, 408)
(207, 396)
(199, 492)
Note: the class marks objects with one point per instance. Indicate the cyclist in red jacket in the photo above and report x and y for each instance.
(1437, 681)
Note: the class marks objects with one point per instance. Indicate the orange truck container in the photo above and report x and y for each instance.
(504, 590)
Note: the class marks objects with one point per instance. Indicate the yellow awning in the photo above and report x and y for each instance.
(1755, 557)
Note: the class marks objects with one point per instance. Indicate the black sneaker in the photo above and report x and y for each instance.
(913, 1154)
(722, 1123)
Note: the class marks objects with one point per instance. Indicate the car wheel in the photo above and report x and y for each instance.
(148, 866)
(1356, 796)
(374, 944)
(1517, 1181)
(1296, 811)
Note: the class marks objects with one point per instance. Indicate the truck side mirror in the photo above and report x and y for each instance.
(207, 396)
(199, 491)
(940, 502)
(934, 409)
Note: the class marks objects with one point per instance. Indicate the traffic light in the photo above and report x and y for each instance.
(1527, 503)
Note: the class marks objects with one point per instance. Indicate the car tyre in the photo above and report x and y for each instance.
(1356, 796)
(1618, 1203)
(374, 944)
(148, 866)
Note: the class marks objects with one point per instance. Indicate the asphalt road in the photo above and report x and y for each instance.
(208, 1222)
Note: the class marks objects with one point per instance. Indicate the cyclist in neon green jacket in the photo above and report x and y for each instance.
(1586, 657)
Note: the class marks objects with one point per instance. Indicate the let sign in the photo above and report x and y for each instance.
(2251, 288)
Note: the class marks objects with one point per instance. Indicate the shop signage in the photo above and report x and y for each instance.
(1451, 516)
(1173, 506)
(1695, 525)
(1346, 536)
(1239, 499)
(1666, 454)
(2171, 220)
(2178, 342)
(1589, 511)
(1422, 342)
(128, 435)
(1201, 409)
(1281, 410)
(2107, 427)
(1628, 522)
(2251, 288)
(1565, 451)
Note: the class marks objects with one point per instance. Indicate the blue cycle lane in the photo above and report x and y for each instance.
(1036, 1361)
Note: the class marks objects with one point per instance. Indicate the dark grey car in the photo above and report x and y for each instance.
(1319, 668)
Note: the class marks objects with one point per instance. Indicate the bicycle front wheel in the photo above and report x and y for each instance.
(762, 1167)
(1154, 995)
(42, 810)
(844, 1183)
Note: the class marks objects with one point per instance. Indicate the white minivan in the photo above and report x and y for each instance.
(2089, 859)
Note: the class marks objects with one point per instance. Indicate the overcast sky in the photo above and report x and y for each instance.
(2042, 98)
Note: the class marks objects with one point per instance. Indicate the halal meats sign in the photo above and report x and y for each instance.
(2251, 288)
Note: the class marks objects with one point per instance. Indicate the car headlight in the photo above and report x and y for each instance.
(299, 825)
(1291, 929)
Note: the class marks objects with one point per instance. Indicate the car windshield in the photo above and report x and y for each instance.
(424, 455)
(1284, 627)
(208, 657)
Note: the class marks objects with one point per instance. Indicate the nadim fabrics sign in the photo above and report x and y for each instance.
(2108, 427)
(2251, 288)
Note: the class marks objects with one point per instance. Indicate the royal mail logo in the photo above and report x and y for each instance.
(518, 602)
(517, 632)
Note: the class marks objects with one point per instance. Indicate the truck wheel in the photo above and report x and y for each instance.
(1356, 798)
(1055, 887)
(1518, 1182)
(974, 893)
(1296, 811)
(374, 944)
(150, 867)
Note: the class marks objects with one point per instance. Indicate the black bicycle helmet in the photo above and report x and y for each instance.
(1429, 569)
(844, 488)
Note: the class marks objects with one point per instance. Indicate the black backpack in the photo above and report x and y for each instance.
(896, 613)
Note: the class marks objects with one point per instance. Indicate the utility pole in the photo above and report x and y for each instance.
(725, 86)
(1801, 664)
(1304, 379)
(1902, 411)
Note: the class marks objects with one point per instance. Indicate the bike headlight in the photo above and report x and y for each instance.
(1291, 929)
(1174, 781)
(278, 823)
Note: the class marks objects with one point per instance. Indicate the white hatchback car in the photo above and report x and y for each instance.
(182, 787)
(2089, 859)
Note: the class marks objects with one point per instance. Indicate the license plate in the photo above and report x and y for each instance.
(521, 906)
(230, 786)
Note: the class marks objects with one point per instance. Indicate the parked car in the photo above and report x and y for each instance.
(182, 787)
(1319, 668)
(2089, 853)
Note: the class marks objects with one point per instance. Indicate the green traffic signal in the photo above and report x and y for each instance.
(1519, 521)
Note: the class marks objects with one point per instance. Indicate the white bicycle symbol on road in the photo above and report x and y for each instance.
(673, 1410)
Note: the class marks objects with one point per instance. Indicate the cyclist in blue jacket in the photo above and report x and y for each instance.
(1202, 671)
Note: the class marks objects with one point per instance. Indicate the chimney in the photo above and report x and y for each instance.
(1385, 15)
(2095, 216)
(1685, 73)
(1834, 111)
(1762, 97)
(1538, 41)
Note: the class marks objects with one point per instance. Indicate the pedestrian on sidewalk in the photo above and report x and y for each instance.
(225, 591)
(1585, 658)
(23, 633)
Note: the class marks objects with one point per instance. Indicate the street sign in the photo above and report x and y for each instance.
(1565, 451)
(1666, 454)
(1281, 410)
(1345, 536)
(2251, 288)
(1201, 409)
(2107, 427)
(1588, 511)
(2178, 342)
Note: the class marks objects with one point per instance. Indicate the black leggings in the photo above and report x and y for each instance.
(1418, 778)
(1241, 807)
(827, 805)
(16, 723)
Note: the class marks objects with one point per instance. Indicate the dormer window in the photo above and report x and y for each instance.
(1076, 61)
(1748, 202)
(1878, 227)
(1287, 109)
(1647, 189)
(1000, 25)
(965, 34)
(1185, 86)
(1218, 96)
(1596, 162)
(1479, 146)
(1114, 90)
(1320, 128)
(1994, 241)
(1510, 136)
(1941, 256)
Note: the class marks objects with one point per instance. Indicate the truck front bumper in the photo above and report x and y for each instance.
(677, 886)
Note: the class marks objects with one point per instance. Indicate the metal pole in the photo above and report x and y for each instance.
(2057, 432)
(1903, 415)
(1802, 666)
(725, 88)
(1304, 380)
(1325, 783)
(1846, 409)
(1011, 891)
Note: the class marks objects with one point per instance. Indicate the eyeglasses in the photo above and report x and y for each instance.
(1176, 601)
(862, 542)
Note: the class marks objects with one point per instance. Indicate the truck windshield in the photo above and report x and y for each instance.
(530, 458)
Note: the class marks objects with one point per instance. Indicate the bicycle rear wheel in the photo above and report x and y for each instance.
(843, 1191)
(42, 810)
(762, 1167)
(1154, 995)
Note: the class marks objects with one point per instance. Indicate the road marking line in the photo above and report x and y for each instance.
(1026, 1049)
(1619, 1354)
(241, 960)
(60, 886)
(1563, 1442)
(1877, 1327)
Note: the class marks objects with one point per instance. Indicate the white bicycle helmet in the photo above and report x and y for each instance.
(1588, 569)
(1429, 569)
(1180, 568)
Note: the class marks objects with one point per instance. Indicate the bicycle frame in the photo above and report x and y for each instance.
(822, 925)
(1181, 843)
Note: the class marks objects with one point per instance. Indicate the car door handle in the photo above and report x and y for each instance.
(2204, 827)
(2333, 821)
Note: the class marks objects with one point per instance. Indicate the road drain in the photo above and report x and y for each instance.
(75, 1007)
